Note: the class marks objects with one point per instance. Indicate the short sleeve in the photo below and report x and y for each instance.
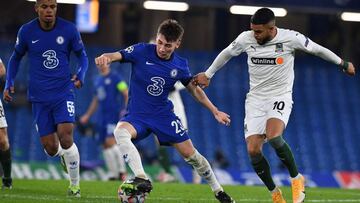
(131, 53)
(237, 46)
(187, 76)
(301, 42)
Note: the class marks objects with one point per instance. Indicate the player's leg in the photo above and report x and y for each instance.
(63, 113)
(5, 153)
(202, 167)
(261, 165)
(123, 133)
(5, 159)
(71, 156)
(46, 128)
(113, 159)
(274, 130)
(254, 127)
(279, 110)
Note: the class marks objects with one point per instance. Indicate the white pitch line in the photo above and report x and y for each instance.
(338, 193)
(37, 197)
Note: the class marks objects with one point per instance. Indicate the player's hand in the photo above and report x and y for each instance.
(350, 70)
(201, 80)
(76, 81)
(102, 61)
(84, 119)
(222, 118)
(6, 94)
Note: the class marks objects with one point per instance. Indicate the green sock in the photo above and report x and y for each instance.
(164, 159)
(285, 154)
(262, 169)
(5, 160)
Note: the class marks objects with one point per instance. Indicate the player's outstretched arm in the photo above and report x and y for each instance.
(303, 43)
(107, 58)
(203, 79)
(201, 97)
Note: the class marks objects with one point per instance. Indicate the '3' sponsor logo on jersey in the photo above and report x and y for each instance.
(157, 87)
(51, 60)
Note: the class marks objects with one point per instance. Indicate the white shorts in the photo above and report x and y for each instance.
(257, 112)
(3, 123)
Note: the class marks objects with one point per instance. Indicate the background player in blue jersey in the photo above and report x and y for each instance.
(155, 70)
(111, 96)
(48, 41)
(5, 153)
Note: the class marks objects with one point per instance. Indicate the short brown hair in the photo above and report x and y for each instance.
(171, 30)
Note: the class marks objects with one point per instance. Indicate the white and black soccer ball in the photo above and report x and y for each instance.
(129, 197)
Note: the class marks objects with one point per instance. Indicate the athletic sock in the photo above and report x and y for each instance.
(129, 152)
(5, 160)
(203, 168)
(121, 165)
(285, 154)
(72, 160)
(262, 169)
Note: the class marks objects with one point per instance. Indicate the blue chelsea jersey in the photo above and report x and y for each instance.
(110, 98)
(49, 54)
(152, 78)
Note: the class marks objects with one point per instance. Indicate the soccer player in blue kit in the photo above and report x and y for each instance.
(155, 70)
(48, 41)
(111, 96)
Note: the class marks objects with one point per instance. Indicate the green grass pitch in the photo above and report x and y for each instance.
(37, 191)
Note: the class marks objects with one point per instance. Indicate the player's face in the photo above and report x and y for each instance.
(262, 33)
(46, 10)
(164, 49)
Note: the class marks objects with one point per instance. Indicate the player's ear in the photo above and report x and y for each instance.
(178, 43)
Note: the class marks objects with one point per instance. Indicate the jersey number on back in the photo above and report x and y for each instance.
(157, 87)
(50, 61)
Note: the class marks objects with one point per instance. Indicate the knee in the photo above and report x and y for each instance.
(121, 135)
(51, 149)
(253, 151)
(66, 142)
(65, 138)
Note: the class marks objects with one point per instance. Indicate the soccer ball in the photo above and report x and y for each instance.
(126, 196)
